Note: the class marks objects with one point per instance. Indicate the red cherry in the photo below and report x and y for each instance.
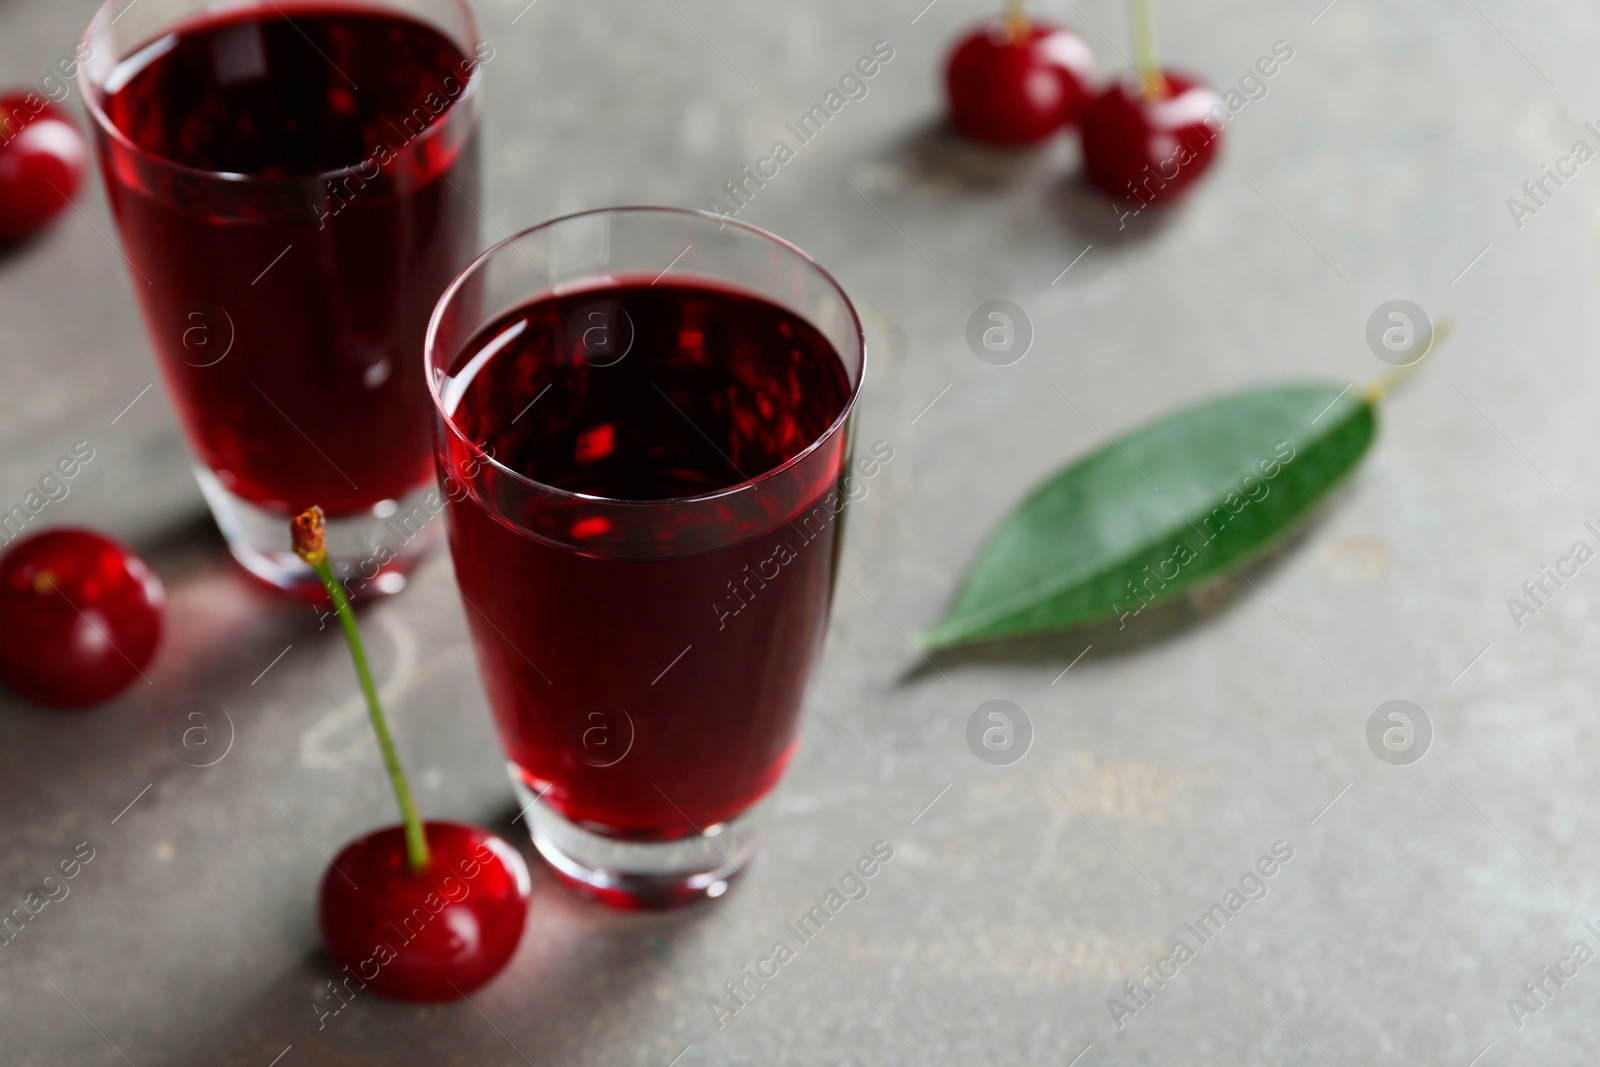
(1015, 84)
(431, 936)
(42, 156)
(80, 617)
(1148, 151)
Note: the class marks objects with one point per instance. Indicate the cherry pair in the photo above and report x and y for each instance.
(422, 911)
(1146, 136)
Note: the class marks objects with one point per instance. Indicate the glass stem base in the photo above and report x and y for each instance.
(371, 552)
(640, 875)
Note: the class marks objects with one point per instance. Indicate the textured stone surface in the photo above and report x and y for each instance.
(1162, 767)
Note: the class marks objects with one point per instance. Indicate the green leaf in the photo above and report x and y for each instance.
(1195, 495)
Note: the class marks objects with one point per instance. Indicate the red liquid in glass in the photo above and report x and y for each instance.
(648, 691)
(289, 309)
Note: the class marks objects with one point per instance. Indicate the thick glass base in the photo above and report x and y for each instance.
(371, 552)
(640, 874)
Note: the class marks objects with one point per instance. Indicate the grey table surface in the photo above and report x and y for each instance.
(1020, 900)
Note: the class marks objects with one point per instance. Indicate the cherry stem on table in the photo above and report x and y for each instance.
(1384, 384)
(310, 546)
(1144, 51)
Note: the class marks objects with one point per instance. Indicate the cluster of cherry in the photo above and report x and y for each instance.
(1147, 135)
(81, 615)
(80, 619)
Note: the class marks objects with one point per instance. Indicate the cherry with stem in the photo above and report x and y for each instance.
(1016, 81)
(1137, 146)
(423, 911)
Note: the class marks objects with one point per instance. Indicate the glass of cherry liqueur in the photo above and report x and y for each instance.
(644, 440)
(294, 185)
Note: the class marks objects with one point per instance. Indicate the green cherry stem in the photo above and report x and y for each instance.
(1016, 20)
(1381, 386)
(1144, 51)
(311, 546)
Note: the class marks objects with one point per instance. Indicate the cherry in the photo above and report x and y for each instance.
(1146, 137)
(1148, 147)
(1015, 81)
(430, 935)
(420, 911)
(42, 157)
(80, 617)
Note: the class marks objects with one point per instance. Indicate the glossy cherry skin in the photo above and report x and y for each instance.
(431, 936)
(1149, 151)
(42, 158)
(1009, 88)
(80, 617)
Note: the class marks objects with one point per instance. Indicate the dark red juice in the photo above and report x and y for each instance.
(292, 201)
(646, 661)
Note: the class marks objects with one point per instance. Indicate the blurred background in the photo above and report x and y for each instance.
(1374, 165)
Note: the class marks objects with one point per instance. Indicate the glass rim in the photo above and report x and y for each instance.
(534, 484)
(92, 104)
